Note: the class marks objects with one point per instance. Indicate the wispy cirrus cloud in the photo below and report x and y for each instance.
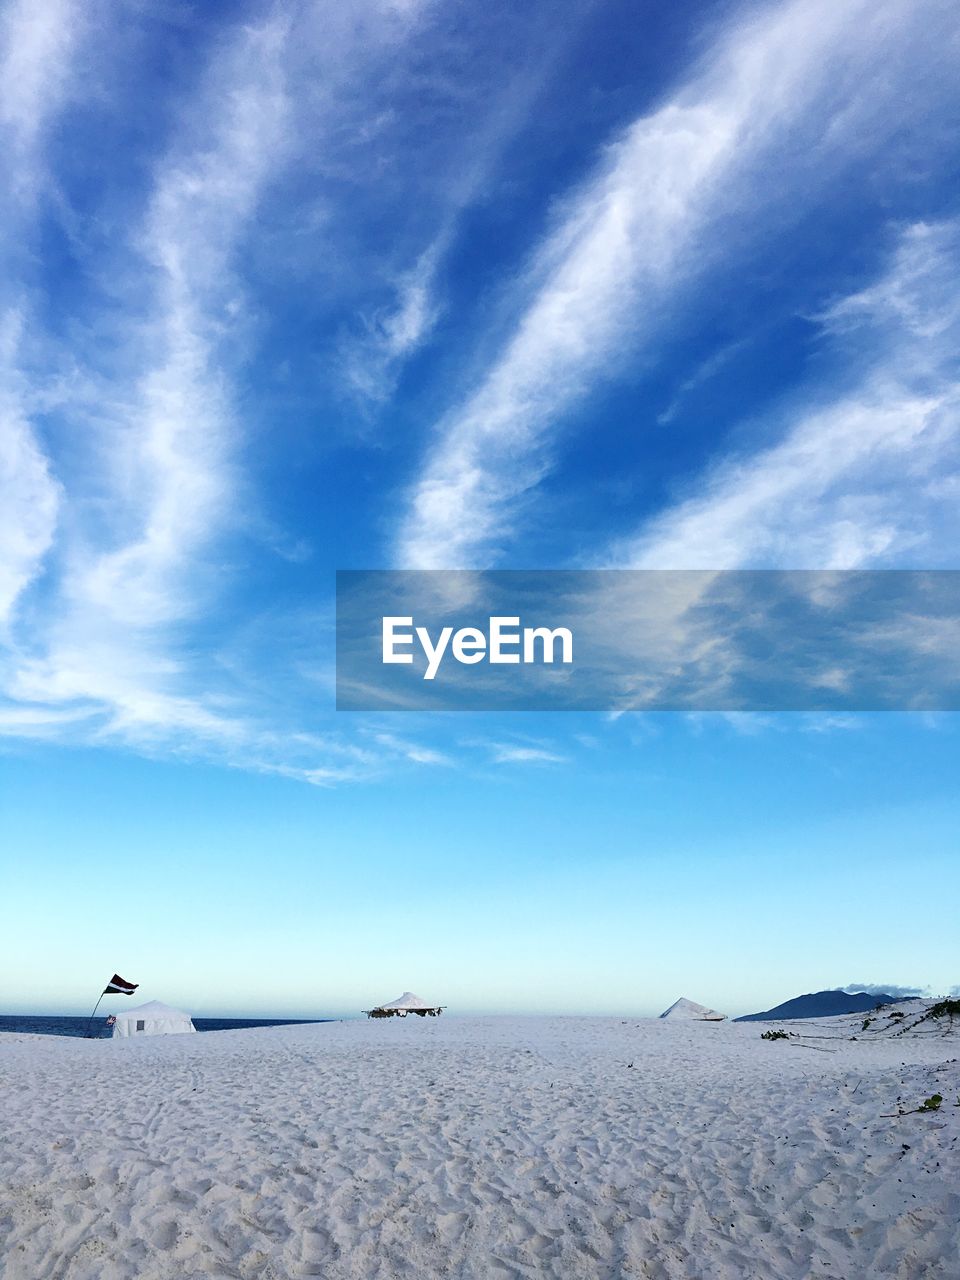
(164, 486)
(415, 752)
(706, 370)
(169, 456)
(38, 44)
(488, 99)
(518, 753)
(371, 363)
(29, 493)
(132, 398)
(110, 652)
(801, 80)
(867, 476)
(37, 47)
(865, 470)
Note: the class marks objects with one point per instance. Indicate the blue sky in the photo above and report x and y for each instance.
(407, 284)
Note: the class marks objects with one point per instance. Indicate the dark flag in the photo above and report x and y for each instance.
(118, 986)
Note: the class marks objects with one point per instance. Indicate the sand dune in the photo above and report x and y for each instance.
(480, 1148)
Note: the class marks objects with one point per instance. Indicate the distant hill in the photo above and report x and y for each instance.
(820, 1004)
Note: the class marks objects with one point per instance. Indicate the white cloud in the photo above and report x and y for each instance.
(792, 80)
(758, 513)
(511, 753)
(888, 989)
(371, 365)
(38, 722)
(170, 455)
(415, 752)
(711, 366)
(165, 437)
(29, 494)
(37, 47)
(108, 653)
(37, 41)
(862, 479)
(489, 101)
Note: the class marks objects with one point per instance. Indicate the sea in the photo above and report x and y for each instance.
(43, 1025)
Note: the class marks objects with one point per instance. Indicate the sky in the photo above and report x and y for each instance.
(407, 284)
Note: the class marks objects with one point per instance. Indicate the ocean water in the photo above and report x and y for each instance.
(44, 1025)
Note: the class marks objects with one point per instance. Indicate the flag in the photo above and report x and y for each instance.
(118, 986)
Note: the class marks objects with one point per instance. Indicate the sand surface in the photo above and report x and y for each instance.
(567, 1147)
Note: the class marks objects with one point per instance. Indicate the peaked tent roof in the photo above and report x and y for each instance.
(684, 1008)
(152, 1009)
(408, 1001)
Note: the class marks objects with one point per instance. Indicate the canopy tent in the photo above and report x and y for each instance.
(692, 1012)
(152, 1019)
(407, 1003)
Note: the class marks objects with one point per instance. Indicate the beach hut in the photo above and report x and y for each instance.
(692, 1012)
(407, 1003)
(153, 1019)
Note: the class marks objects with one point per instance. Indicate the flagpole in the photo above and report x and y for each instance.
(86, 1034)
(116, 986)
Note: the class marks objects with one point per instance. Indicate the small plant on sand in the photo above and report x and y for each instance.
(866, 1022)
(932, 1103)
(774, 1035)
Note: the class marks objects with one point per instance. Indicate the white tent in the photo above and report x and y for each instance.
(407, 1003)
(152, 1019)
(691, 1011)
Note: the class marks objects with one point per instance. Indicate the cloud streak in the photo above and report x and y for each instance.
(167, 437)
(109, 652)
(161, 483)
(38, 44)
(634, 237)
(149, 313)
(860, 479)
(29, 494)
(491, 101)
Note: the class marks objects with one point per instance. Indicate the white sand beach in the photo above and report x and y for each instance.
(481, 1147)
